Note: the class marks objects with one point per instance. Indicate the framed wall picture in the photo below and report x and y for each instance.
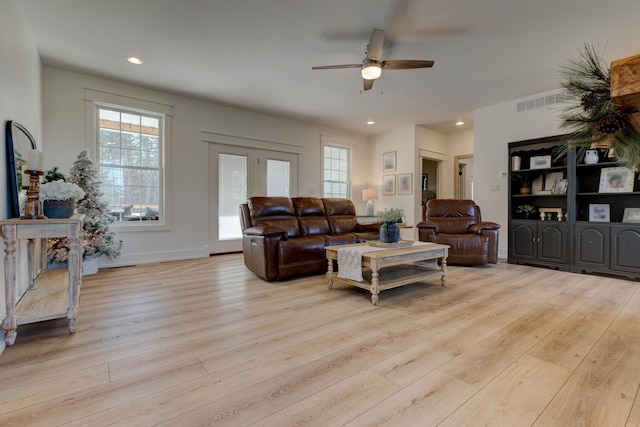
(559, 186)
(389, 162)
(405, 183)
(631, 215)
(616, 180)
(389, 184)
(599, 213)
(540, 162)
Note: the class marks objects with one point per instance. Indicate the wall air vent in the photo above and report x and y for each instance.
(543, 101)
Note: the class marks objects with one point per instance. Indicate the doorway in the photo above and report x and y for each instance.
(237, 173)
(463, 176)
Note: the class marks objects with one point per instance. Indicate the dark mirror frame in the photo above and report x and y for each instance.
(15, 135)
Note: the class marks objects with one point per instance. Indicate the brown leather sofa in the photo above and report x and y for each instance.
(458, 223)
(285, 237)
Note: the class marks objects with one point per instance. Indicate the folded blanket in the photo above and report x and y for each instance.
(350, 261)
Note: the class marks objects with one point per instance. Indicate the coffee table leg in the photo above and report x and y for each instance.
(443, 267)
(375, 285)
(330, 272)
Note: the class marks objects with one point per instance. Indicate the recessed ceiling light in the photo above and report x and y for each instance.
(371, 122)
(134, 60)
(459, 123)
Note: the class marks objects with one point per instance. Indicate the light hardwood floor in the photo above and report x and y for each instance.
(206, 342)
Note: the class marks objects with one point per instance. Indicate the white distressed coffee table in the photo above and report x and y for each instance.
(393, 267)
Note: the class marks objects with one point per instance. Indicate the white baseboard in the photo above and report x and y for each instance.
(151, 257)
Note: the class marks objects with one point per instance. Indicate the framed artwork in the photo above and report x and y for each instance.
(540, 162)
(616, 180)
(559, 186)
(389, 184)
(631, 215)
(599, 213)
(389, 162)
(405, 181)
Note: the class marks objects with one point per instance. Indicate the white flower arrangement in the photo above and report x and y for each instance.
(60, 190)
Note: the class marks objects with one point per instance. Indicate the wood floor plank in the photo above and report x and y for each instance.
(514, 398)
(207, 341)
(568, 344)
(426, 402)
(602, 389)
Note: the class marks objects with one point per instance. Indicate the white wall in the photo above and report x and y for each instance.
(188, 237)
(19, 101)
(495, 127)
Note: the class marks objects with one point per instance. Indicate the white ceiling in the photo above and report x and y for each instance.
(257, 54)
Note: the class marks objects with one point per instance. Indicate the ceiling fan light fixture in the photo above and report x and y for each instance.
(371, 70)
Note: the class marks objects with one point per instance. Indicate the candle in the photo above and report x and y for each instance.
(35, 160)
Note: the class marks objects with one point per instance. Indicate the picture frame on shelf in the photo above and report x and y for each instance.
(389, 184)
(389, 161)
(550, 178)
(616, 180)
(405, 183)
(599, 212)
(560, 186)
(631, 215)
(540, 162)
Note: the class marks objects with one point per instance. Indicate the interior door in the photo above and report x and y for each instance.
(237, 173)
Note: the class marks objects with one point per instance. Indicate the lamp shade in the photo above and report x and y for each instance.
(370, 194)
(371, 70)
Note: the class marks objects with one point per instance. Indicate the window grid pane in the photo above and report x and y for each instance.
(336, 172)
(129, 159)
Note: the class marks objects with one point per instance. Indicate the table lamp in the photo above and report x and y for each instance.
(369, 194)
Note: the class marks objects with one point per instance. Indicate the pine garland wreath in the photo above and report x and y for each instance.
(96, 236)
(595, 120)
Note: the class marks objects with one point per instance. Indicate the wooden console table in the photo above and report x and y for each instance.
(53, 294)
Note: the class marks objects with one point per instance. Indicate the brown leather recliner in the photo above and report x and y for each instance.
(458, 223)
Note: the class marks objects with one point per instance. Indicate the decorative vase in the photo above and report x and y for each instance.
(90, 265)
(58, 208)
(525, 190)
(591, 157)
(389, 232)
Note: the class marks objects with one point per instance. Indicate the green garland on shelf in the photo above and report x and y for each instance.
(594, 120)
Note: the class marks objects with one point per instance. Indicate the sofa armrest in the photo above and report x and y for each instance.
(479, 227)
(266, 230)
(362, 228)
(428, 227)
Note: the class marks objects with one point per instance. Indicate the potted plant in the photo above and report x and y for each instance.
(59, 198)
(525, 210)
(524, 181)
(390, 217)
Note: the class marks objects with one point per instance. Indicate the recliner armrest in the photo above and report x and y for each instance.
(361, 228)
(477, 228)
(428, 225)
(266, 230)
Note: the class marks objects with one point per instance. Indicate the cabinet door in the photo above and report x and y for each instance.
(552, 242)
(592, 245)
(625, 248)
(523, 240)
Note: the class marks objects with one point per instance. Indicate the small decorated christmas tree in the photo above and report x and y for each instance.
(97, 238)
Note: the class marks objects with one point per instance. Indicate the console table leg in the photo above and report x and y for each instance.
(9, 323)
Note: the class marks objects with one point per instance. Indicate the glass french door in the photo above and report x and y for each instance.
(237, 173)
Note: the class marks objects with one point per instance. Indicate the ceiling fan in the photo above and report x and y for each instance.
(372, 66)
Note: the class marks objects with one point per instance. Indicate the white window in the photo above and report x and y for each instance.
(130, 142)
(336, 170)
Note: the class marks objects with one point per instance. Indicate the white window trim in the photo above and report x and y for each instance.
(94, 99)
(334, 141)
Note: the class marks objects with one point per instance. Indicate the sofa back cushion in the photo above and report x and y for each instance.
(452, 216)
(276, 211)
(312, 218)
(341, 214)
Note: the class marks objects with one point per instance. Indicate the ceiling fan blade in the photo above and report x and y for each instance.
(405, 64)
(336, 67)
(367, 84)
(376, 43)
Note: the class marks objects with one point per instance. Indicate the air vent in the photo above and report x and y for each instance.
(543, 101)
